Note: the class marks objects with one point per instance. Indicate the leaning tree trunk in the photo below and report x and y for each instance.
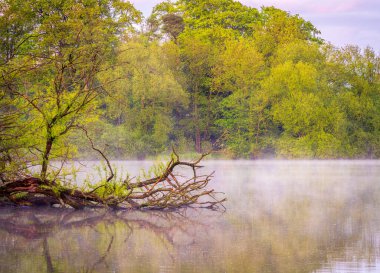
(45, 156)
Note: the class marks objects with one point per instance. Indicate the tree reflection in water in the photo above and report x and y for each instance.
(39, 235)
(281, 217)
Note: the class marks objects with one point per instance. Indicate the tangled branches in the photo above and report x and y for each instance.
(165, 191)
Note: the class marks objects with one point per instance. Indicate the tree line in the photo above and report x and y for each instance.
(84, 75)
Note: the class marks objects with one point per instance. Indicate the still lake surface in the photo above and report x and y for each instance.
(282, 216)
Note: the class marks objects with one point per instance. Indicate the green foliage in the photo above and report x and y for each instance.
(109, 189)
(116, 187)
(278, 27)
(200, 74)
(19, 195)
(228, 14)
(354, 76)
(52, 63)
(144, 100)
(239, 68)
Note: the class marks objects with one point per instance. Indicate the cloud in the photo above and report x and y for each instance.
(322, 6)
(341, 22)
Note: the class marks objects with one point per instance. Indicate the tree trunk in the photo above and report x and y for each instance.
(198, 145)
(45, 157)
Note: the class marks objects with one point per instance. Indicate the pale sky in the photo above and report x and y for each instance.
(340, 21)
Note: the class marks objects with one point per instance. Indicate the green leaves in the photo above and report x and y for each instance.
(144, 99)
(199, 74)
(239, 67)
(54, 78)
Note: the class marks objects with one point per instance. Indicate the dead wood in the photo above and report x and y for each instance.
(166, 191)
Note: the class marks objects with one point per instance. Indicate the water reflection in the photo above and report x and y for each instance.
(281, 217)
(53, 240)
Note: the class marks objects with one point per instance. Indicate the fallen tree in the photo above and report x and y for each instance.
(52, 86)
(168, 190)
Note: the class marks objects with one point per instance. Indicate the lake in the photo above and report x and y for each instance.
(281, 216)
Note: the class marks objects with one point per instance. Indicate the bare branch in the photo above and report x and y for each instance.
(99, 151)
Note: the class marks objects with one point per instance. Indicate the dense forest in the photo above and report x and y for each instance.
(79, 75)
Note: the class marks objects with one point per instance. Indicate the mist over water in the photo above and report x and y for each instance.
(282, 216)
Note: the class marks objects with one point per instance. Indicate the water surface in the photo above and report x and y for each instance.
(282, 216)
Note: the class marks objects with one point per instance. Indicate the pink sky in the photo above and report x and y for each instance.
(341, 22)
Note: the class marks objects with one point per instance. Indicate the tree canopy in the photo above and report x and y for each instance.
(196, 74)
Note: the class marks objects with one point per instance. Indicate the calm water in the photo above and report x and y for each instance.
(282, 216)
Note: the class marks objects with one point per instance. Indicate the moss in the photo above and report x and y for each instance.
(19, 195)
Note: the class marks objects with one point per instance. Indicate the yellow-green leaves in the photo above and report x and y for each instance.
(239, 67)
(55, 76)
(144, 97)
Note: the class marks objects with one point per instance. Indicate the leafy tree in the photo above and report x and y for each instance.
(16, 23)
(144, 99)
(198, 56)
(278, 27)
(228, 14)
(166, 18)
(236, 77)
(219, 76)
(68, 46)
(354, 77)
(308, 125)
(199, 70)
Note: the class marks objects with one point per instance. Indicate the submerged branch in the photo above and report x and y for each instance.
(165, 191)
